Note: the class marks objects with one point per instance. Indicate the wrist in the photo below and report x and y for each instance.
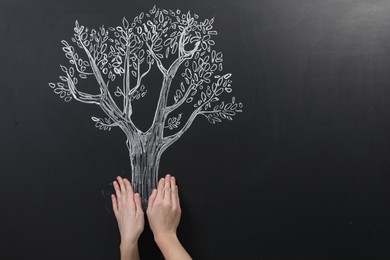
(128, 243)
(171, 247)
(165, 238)
(129, 251)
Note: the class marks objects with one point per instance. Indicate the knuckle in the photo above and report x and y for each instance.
(167, 203)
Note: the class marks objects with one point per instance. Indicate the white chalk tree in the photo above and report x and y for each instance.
(118, 59)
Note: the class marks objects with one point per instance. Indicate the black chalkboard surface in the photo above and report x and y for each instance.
(302, 173)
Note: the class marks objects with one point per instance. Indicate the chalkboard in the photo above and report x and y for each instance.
(301, 173)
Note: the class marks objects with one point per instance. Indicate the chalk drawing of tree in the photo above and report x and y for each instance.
(118, 59)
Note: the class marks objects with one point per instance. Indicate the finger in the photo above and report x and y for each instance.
(118, 194)
(174, 191)
(167, 188)
(117, 190)
(152, 198)
(160, 189)
(121, 183)
(128, 186)
(173, 182)
(126, 183)
(176, 196)
(138, 203)
(129, 194)
(114, 204)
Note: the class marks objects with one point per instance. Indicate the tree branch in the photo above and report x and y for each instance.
(172, 72)
(173, 107)
(187, 55)
(95, 69)
(158, 61)
(78, 69)
(173, 138)
(107, 103)
(81, 96)
(139, 77)
(127, 109)
(160, 113)
(161, 110)
(204, 112)
(99, 122)
(181, 51)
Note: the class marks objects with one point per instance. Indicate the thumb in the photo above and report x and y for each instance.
(138, 203)
(152, 198)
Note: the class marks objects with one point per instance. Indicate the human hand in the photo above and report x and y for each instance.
(128, 212)
(164, 216)
(164, 209)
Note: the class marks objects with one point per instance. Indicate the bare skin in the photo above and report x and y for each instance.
(163, 213)
(164, 216)
(128, 212)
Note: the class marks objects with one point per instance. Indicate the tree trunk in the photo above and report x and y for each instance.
(145, 160)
